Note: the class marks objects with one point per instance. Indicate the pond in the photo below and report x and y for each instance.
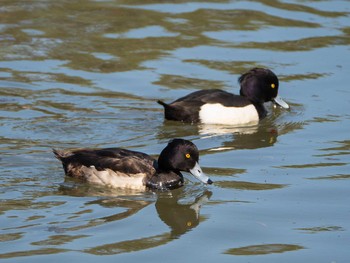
(88, 74)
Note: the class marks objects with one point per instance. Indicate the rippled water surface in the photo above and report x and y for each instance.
(88, 74)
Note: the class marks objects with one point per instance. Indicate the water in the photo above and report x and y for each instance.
(87, 74)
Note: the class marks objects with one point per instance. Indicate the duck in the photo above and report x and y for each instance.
(215, 106)
(122, 168)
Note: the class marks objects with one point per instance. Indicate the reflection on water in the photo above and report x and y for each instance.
(313, 230)
(263, 249)
(88, 74)
(179, 215)
(248, 185)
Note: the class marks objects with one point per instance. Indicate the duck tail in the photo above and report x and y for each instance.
(61, 154)
(162, 103)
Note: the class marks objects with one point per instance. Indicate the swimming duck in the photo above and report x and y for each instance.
(116, 167)
(215, 106)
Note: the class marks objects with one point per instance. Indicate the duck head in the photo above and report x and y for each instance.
(182, 155)
(261, 85)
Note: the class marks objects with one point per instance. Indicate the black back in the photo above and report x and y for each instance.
(116, 159)
(187, 108)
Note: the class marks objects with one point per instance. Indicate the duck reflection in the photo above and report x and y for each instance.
(228, 137)
(181, 217)
(254, 136)
(178, 209)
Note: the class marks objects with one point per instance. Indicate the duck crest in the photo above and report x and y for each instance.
(259, 85)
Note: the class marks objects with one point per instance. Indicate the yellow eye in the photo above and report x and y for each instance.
(188, 155)
(273, 85)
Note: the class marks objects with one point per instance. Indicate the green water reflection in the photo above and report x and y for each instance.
(263, 249)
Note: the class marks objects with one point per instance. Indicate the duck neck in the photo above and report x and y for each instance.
(170, 174)
(260, 109)
(165, 179)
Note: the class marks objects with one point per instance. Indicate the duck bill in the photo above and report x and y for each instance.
(197, 172)
(278, 100)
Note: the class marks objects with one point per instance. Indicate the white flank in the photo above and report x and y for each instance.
(114, 179)
(219, 114)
